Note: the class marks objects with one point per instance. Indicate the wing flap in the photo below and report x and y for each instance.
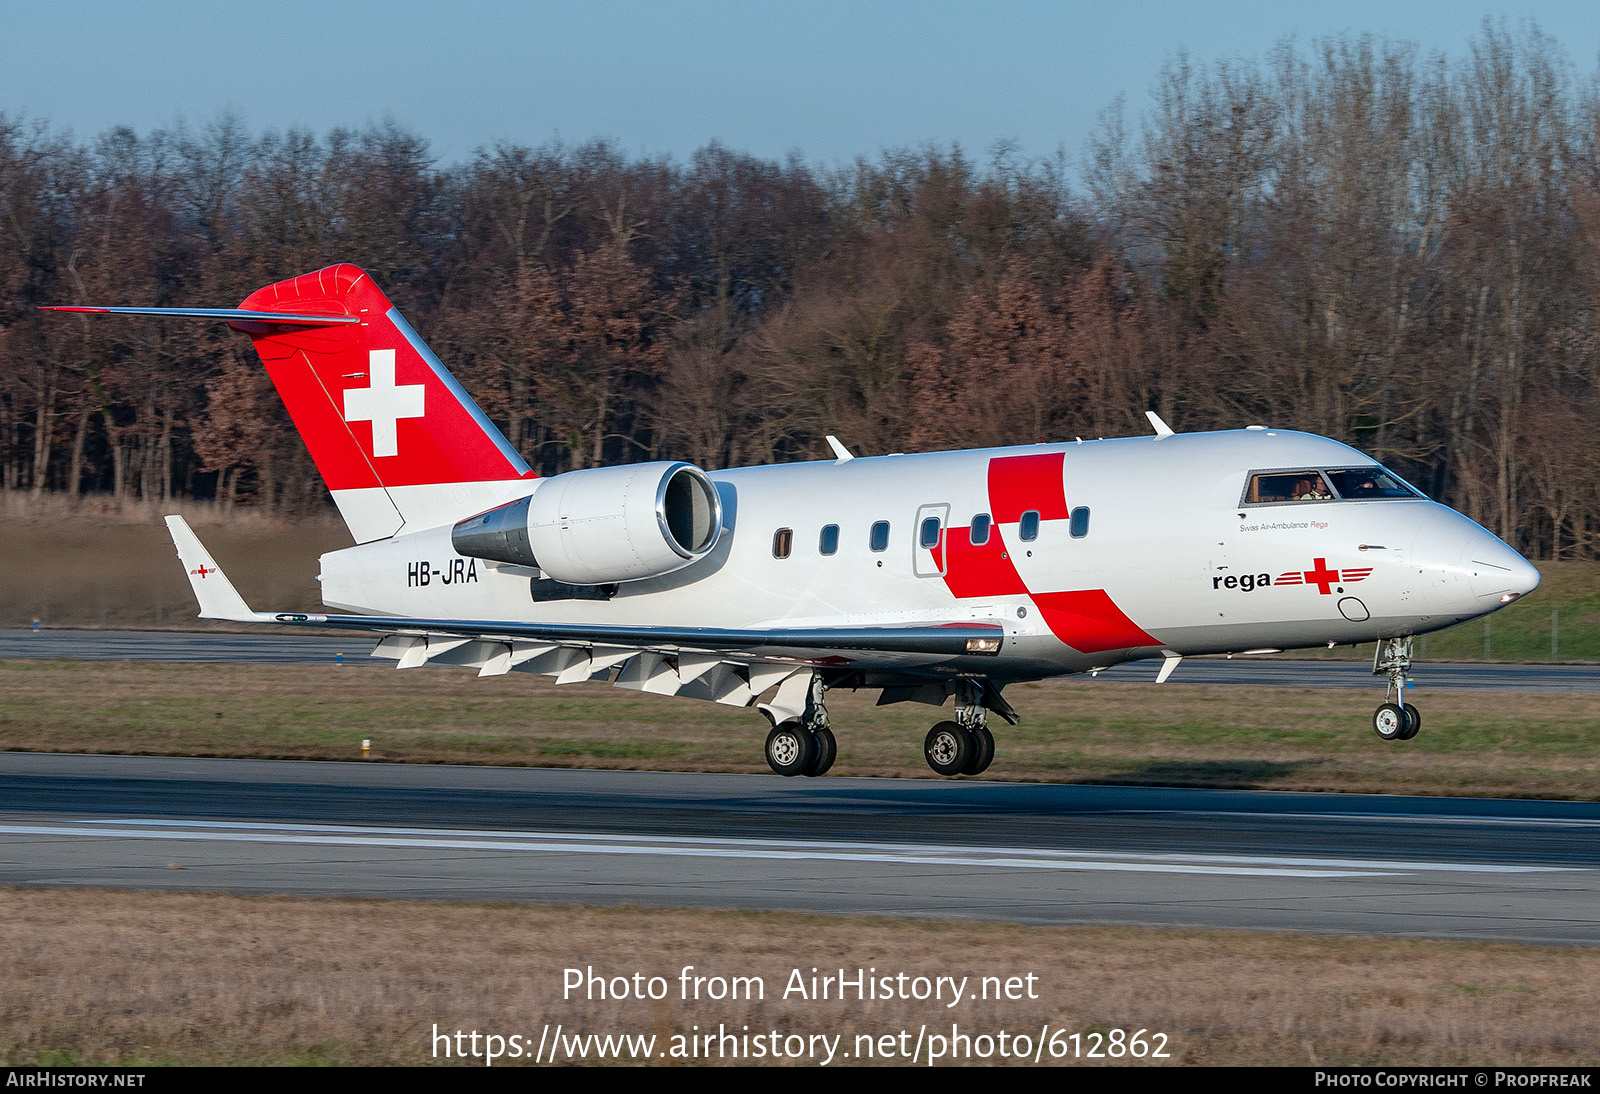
(932, 639)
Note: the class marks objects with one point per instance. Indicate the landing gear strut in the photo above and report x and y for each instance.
(964, 746)
(804, 745)
(1396, 719)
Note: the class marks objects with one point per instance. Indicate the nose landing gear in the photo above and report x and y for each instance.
(1395, 720)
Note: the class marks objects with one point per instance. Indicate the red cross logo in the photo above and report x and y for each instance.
(1322, 577)
(202, 571)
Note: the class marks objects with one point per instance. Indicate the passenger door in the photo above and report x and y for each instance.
(928, 541)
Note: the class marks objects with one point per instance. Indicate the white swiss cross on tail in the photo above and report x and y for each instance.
(382, 403)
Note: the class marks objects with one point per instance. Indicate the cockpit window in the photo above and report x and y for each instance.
(1347, 484)
(1369, 482)
(1281, 486)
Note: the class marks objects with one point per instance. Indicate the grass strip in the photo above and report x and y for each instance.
(1080, 730)
(136, 978)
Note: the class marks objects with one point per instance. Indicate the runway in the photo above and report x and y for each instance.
(1030, 853)
(269, 648)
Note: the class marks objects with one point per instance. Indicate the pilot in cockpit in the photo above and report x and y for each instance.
(1312, 489)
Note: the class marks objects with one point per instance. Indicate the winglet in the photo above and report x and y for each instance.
(1162, 428)
(840, 452)
(216, 594)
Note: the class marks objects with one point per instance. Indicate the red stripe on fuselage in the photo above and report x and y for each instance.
(1088, 621)
(975, 571)
(1085, 619)
(1020, 483)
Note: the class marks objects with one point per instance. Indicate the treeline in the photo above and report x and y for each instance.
(1398, 251)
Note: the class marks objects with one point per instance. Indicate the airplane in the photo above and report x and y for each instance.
(928, 577)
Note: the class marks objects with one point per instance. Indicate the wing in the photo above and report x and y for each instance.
(724, 665)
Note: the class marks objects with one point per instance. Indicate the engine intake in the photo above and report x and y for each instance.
(602, 525)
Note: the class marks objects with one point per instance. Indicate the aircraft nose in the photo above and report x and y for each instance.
(1499, 574)
(1465, 570)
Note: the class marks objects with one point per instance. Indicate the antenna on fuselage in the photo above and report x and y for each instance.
(1162, 428)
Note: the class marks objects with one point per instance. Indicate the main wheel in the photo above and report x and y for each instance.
(1390, 722)
(790, 748)
(827, 751)
(1413, 722)
(982, 751)
(948, 748)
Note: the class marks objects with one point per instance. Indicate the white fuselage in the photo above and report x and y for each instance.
(1172, 557)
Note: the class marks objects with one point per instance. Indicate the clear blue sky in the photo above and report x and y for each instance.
(830, 80)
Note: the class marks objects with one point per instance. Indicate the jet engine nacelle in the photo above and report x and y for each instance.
(602, 525)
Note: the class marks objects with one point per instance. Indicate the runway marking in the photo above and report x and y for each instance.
(1409, 818)
(1027, 858)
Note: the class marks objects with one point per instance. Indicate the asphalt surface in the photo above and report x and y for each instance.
(270, 648)
(1437, 867)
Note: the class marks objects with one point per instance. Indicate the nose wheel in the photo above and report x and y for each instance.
(1390, 722)
(1413, 722)
(1395, 720)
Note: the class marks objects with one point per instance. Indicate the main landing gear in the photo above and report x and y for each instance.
(803, 745)
(794, 748)
(964, 746)
(1396, 719)
(801, 742)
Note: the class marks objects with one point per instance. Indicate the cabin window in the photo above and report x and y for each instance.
(980, 530)
(1028, 528)
(782, 542)
(1080, 522)
(828, 542)
(880, 536)
(929, 537)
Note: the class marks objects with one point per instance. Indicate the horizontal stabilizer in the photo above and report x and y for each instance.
(234, 315)
(216, 594)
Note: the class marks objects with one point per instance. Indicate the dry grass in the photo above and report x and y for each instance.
(92, 563)
(1475, 743)
(101, 977)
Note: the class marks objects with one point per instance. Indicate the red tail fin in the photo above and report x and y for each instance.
(398, 440)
